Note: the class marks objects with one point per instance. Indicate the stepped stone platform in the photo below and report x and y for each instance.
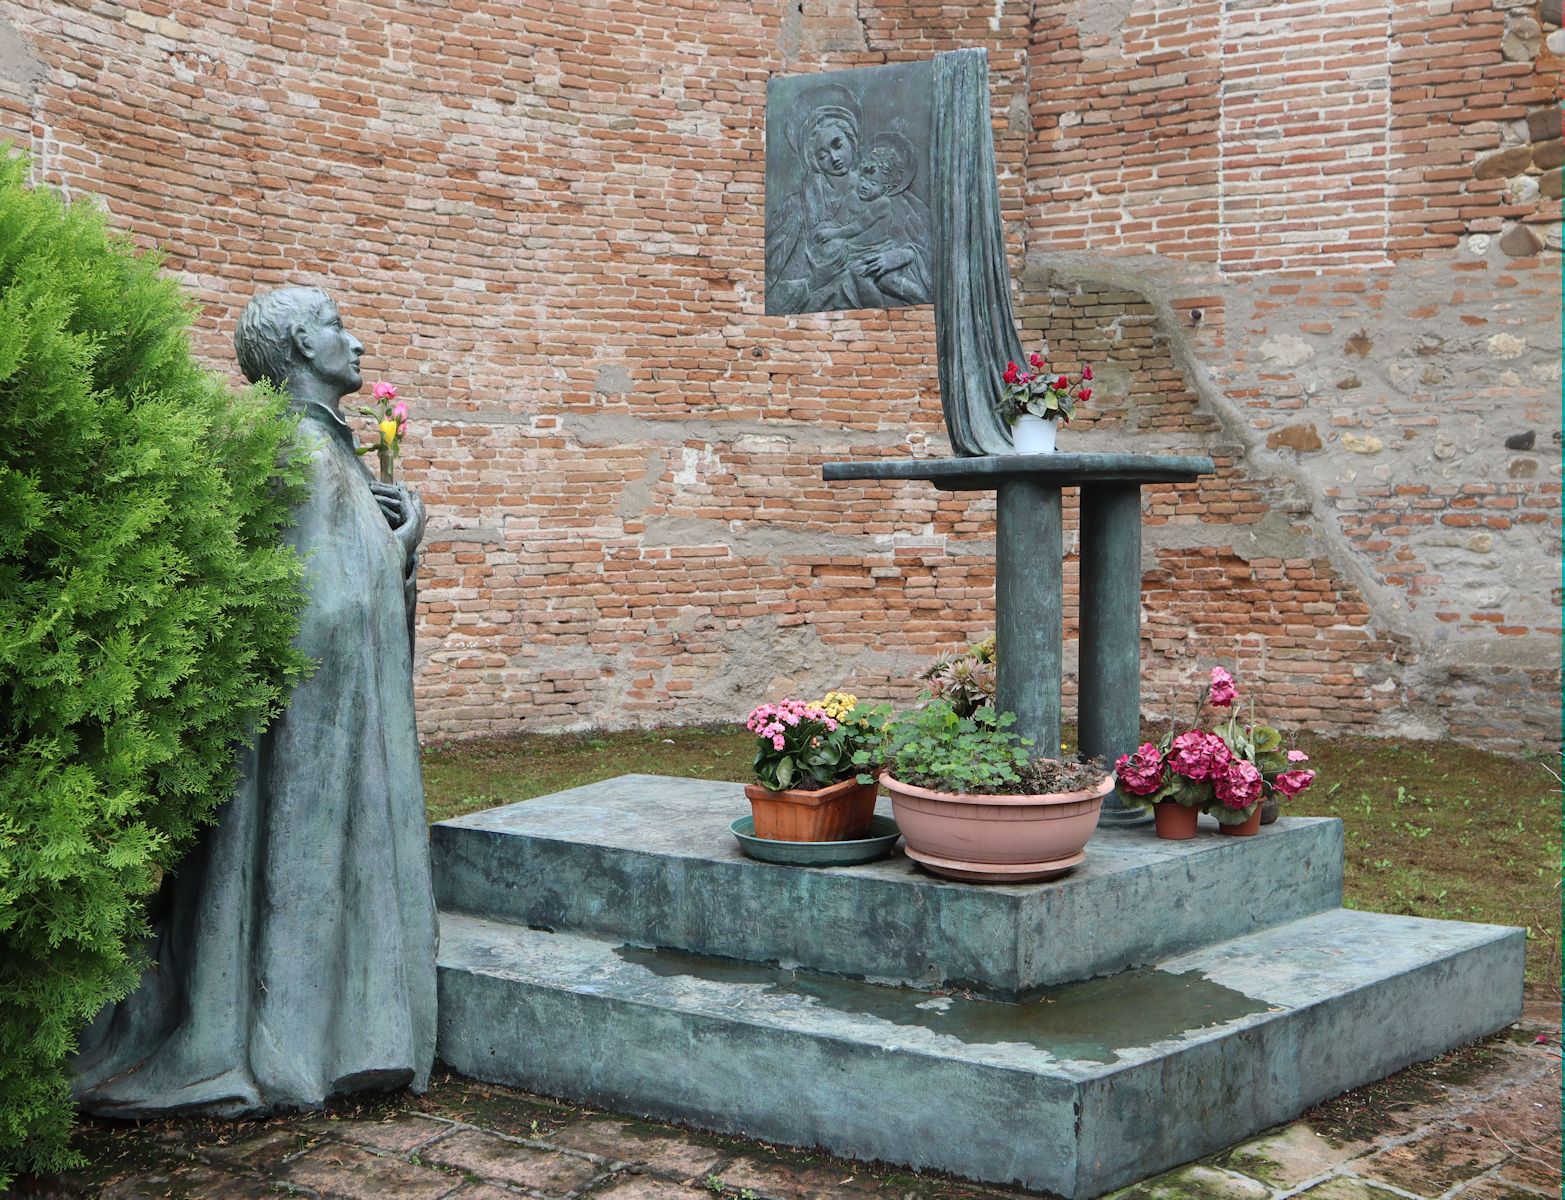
(610, 944)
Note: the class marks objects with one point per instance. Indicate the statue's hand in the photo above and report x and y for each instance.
(411, 532)
(390, 497)
(880, 262)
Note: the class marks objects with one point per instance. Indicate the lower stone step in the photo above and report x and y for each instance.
(1089, 1087)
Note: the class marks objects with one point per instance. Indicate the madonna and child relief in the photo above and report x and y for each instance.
(847, 182)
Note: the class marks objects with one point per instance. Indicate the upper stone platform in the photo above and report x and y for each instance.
(649, 860)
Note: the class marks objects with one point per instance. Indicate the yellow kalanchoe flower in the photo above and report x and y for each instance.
(837, 704)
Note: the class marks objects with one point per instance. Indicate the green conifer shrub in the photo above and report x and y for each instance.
(147, 608)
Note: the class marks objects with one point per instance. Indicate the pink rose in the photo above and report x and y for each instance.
(1222, 691)
(384, 390)
(1141, 773)
(1198, 755)
(1238, 785)
(1291, 783)
(399, 410)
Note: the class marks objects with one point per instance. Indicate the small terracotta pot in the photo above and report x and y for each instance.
(996, 839)
(838, 813)
(1175, 822)
(1250, 825)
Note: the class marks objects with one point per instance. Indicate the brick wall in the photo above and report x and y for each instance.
(1318, 240)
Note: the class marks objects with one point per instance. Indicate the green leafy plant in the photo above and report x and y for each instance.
(937, 747)
(147, 608)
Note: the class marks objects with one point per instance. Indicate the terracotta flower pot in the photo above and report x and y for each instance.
(837, 813)
(1250, 825)
(1175, 822)
(996, 839)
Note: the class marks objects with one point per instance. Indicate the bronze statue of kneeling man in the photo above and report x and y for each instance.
(293, 952)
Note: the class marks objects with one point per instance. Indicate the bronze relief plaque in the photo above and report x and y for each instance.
(848, 189)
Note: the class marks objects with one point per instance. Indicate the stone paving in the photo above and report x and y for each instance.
(1481, 1123)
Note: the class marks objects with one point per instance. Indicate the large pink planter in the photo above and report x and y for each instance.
(996, 839)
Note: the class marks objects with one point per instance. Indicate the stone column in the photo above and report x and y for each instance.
(1108, 694)
(1028, 598)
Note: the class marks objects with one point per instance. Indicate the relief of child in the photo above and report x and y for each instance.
(884, 241)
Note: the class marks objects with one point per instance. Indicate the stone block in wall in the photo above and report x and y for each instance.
(1522, 40)
(1548, 155)
(1502, 163)
(1544, 123)
(1520, 242)
(1549, 184)
(1302, 438)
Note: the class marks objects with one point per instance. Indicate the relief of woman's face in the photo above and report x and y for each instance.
(832, 148)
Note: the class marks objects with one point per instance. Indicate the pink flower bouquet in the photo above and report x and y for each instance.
(811, 745)
(1227, 771)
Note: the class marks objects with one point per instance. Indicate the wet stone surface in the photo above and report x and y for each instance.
(1480, 1123)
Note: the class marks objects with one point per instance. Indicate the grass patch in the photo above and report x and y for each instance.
(1432, 829)
(463, 777)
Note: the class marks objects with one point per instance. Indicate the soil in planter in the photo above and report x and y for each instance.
(1046, 775)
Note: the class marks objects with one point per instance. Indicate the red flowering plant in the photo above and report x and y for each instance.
(1040, 392)
(1227, 771)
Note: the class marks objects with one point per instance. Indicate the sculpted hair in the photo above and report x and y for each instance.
(263, 341)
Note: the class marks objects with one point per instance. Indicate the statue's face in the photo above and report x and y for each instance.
(875, 178)
(335, 352)
(832, 148)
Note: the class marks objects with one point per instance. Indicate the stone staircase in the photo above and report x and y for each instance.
(609, 944)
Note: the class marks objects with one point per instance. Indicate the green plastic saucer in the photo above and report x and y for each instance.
(882, 837)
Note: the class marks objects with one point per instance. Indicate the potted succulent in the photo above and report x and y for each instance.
(965, 680)
(1230, 771)
(807, 787)
(973, 804)
(1032, 402)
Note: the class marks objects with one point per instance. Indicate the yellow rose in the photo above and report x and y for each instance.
(388, 433)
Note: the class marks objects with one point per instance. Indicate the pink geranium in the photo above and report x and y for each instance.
(1222, 692)
(1238, 784)
(1141, 773)
(1198, 755)
(1298, 756)
(1291, 783)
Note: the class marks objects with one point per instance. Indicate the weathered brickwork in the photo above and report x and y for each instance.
(1316, 239)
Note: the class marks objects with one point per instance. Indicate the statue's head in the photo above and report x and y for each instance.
(834, 140)
(293, 337)
(887, 167)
